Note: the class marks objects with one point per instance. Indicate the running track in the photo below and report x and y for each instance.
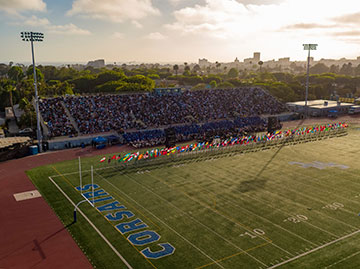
(31, 235)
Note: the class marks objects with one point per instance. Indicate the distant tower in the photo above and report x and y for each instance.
(256, 57)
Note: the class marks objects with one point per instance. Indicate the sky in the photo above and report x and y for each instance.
(160, 31)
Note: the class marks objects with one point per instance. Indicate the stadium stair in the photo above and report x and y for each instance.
(73, 122)
(45, 129)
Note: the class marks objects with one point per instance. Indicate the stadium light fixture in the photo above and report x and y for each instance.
(308, 47)
(35, 37)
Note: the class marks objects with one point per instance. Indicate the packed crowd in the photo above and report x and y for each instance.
(103, 113)
(55, 118)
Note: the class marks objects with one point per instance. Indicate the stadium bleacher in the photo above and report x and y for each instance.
(193, 112)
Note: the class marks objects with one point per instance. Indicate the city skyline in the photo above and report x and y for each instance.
(177, 31)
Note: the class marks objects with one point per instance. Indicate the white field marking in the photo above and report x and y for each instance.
(347, 172)
(267, 204)
(333, 188)
(345, 210)
(210, 208)
(243, 227)
(344, 259)
(318, 201)
(92, 225)
(256, 215)
(195, 220)
(313, 250)
(170, 228)
(326, 186)
(77, 172)
(296, 203)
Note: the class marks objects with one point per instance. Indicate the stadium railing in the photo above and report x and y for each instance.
(217, 152)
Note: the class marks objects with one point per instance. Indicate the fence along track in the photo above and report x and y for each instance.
(206, 154)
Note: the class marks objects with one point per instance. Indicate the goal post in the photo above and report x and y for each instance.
(81, 187)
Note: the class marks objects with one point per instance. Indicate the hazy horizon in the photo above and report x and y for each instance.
(159, 31)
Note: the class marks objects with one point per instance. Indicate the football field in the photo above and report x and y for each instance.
(292, 206)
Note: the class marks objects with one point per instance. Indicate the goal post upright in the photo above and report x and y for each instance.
(92, 182)
(80, 176)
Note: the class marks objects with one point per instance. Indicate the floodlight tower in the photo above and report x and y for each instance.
(33, 37)
(308, 47)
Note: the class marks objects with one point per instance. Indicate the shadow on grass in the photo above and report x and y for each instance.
(258, 182)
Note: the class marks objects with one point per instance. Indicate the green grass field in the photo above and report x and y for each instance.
(297, 205)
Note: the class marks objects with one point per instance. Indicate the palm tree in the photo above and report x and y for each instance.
(260, 63)
(10, 89)
(217, 65)
(176, 68)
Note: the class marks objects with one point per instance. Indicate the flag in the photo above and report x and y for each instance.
(126, 157)
(103, 159)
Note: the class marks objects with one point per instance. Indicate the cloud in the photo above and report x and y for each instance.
(117, 35)
(14, 7)
(235, 20)
(308, 26)
(354, 33)
(137, 24)
(353, 18)
(114, 10)
(35, 21)
(47, 26)
(67, 29)
(260, 2)
(155, 36)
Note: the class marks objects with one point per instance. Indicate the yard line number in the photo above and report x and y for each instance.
(296, 218)
(334, 206)
(255, 233)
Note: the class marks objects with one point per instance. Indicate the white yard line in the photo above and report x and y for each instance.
(206, 227)
(263, 218)
(337, 187)
(170, 228)
(225, 217)
(313, 250)
(77, 172)
(217, 182)
(342, 260)
(324, 190)
(290, 201)
(321, 202)
(92, 225)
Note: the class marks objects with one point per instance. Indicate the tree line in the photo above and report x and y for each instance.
(16, 82)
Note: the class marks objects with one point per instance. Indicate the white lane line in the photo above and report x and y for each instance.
(313, 250)
(92, 225)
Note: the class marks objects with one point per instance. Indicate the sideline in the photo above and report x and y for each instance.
(313, 250)
(92, 225)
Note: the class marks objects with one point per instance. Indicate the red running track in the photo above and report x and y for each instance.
(31, 235)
